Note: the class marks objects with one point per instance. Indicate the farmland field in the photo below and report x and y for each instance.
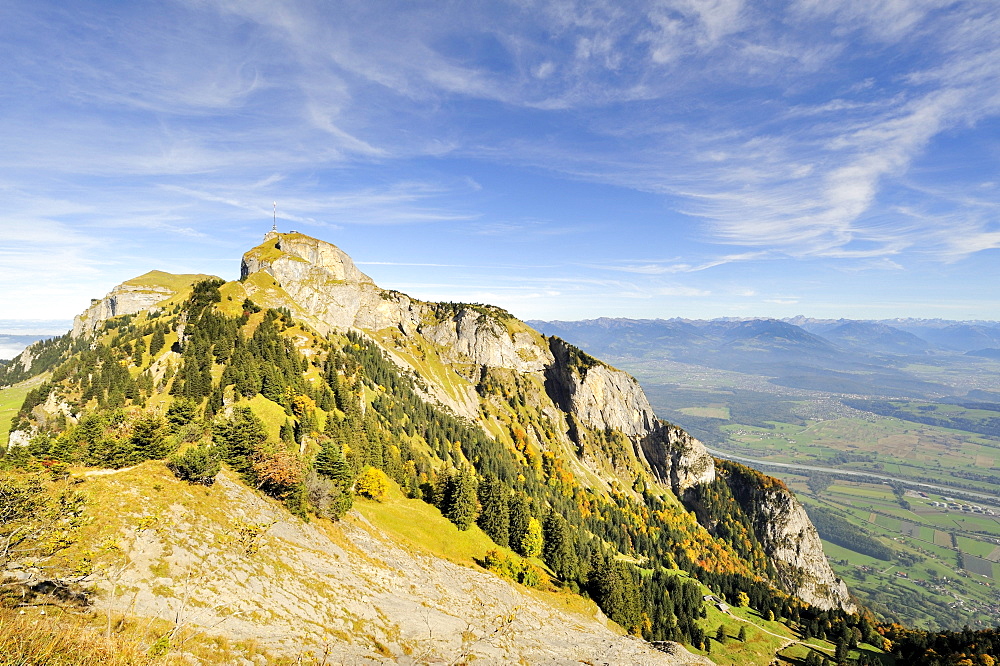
(928, 582)
(943, 571)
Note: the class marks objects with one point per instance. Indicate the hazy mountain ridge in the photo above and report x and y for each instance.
(842, 356)
(569, 418)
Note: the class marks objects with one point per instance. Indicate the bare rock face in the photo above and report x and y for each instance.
(608, 399)
(486, 340)
(678, 457)
(789, 538)
(131, 297)
(123, 299)
(323, 281)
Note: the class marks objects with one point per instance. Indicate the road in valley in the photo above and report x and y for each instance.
(850, 472)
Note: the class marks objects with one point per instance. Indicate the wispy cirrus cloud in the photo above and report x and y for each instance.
(792, 136)
(646, 267)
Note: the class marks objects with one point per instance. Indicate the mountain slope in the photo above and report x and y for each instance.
(245, 566)
(310, 381)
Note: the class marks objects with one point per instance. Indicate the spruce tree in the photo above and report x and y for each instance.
(181, 412)
(519, 510)
(494, 518)
(559, 551)
(156, 342)
(149, 438)
(330, 465)
(240, 437)
(460, 499)
(287, 432)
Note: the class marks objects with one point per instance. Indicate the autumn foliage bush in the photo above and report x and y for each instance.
(373, 484)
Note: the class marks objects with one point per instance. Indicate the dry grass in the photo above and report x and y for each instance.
(29, 638)
(66, 640)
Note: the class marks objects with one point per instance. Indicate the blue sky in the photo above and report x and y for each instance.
(565, 160)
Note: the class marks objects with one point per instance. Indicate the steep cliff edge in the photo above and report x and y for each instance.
(788, 537)
(605, 398)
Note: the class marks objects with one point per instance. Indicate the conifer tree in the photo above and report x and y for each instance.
(616, 591)
(330, 464)
(519, 510)
(559, 552)
(287, 432)
(149, 438)
(181, 412)
(156, 342)
(460, 499)
(494, 518)
(240, 437)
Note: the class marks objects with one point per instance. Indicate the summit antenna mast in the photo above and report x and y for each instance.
(274, 223)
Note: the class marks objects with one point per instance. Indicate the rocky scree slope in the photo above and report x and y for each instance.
(226, 560)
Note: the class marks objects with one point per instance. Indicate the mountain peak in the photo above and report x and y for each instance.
(294, 255)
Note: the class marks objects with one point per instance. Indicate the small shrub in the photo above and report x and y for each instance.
(512, 568)
(198, 464)
(329, 498)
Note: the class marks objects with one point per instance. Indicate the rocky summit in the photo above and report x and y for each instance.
(401, 481)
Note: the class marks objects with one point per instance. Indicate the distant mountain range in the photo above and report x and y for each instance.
(905, 336)
(837, 355)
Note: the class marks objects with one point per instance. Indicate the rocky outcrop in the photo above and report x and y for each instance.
(132, 297)
(678, 458)
(486, 339)
(608, 399)
(322, 281)
(788, 537)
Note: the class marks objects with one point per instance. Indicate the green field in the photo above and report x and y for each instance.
(11, 400)
(928, 582)
(710, 412)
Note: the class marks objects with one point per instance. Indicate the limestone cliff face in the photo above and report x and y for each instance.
(608, 399)
(323, 282)
(678, 457)
(486, 340)
(131, 297)
(789, 538)
(123, 299)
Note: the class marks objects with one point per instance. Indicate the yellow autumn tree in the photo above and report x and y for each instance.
(373, 484)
